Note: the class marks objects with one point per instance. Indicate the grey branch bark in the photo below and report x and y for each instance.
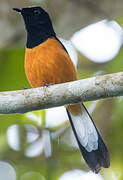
(100, 87)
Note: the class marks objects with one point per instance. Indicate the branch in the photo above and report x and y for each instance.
(90, 89)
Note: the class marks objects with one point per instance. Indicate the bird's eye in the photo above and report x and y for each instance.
(37, 12)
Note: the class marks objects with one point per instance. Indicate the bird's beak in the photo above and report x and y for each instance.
(18, 9)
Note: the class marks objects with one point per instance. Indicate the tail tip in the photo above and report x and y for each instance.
(96, 169)
(103, 164)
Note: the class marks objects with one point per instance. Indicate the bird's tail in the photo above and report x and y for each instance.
(91, 145)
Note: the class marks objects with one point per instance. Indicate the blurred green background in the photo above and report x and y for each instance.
(56, 155)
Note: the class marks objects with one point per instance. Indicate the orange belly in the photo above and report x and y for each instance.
(48, 63)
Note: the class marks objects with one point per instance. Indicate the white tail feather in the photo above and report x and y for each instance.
(85, 130)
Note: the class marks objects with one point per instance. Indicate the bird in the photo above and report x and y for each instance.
(48, 62)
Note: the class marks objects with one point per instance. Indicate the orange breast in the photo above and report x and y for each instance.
(48, 63)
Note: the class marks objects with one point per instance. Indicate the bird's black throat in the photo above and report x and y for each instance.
(35, 39)
(37, 35)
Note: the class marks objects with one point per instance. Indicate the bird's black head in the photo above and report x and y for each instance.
(38, 25)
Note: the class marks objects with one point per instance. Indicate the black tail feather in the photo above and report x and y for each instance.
(96, 158)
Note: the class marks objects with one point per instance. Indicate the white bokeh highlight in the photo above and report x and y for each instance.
(36, 144)
(32, 133)
(55, 116)
(34, 149)
(41, 145)
(100, 42)
(80, 175)
(71, 50)
(13, 137)
(7, 172)
(34, 117)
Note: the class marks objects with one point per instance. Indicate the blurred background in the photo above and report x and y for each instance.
(40, 145)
